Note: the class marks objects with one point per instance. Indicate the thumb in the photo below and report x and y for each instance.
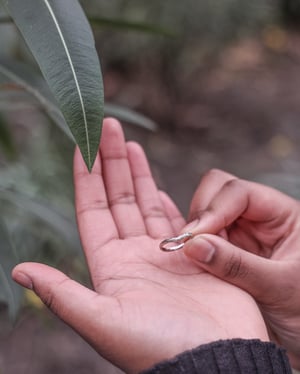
(258, 276)
(73, 303)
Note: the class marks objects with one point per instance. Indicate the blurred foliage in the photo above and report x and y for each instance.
(204, 25)
(119, 24)
(6, 140)
(290, 11)
(36, 193)
(10, 293)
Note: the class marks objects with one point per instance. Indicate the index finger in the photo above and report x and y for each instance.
(243, 199)
(211, 183)
(95, 222)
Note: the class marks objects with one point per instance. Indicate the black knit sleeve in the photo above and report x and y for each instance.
(236, 356)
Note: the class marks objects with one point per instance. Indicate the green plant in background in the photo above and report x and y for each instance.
(9, 292)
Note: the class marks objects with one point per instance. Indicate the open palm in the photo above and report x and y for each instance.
(146, 305)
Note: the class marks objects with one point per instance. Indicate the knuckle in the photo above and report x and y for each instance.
(51, 297)
(235, 268)
(87, 207)
(212, 173)
(197, 213)
(126, 198)
(154, 211)
(234, 184)
(48, 299)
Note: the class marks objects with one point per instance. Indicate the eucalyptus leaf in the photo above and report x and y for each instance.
(60, 38)
(10, 292)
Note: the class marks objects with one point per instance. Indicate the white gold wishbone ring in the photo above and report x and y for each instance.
(166, 245)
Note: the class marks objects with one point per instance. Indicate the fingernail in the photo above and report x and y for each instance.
(23, 279)
(190, 226)
(200, 250)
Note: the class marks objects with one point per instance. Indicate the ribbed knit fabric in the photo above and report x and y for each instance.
(236, 356)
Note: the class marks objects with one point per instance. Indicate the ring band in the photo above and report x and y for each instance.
(178, 240)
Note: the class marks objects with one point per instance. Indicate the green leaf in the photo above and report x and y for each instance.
(10, 292)
(130, 26)
(130, 116)
(59, 36)
(6, 139)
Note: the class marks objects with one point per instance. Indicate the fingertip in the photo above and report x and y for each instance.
(20, 276)
(134, 148)
(111, 129)
(200, 249)
(113, 140)
(205, 222)
(110, 126)
(138, 160)
(29, 274)
(191, 227)
(26, 267)
(135, 151)
(111, 121)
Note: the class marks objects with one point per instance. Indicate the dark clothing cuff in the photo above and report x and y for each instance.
(236, 356)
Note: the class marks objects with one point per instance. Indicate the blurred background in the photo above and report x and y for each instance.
(221, 81)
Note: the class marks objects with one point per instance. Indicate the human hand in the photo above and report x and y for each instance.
(146, 305)
(255, 246)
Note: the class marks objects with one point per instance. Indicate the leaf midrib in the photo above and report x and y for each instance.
(74, 75)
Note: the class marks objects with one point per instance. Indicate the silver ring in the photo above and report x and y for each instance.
(179, 240)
